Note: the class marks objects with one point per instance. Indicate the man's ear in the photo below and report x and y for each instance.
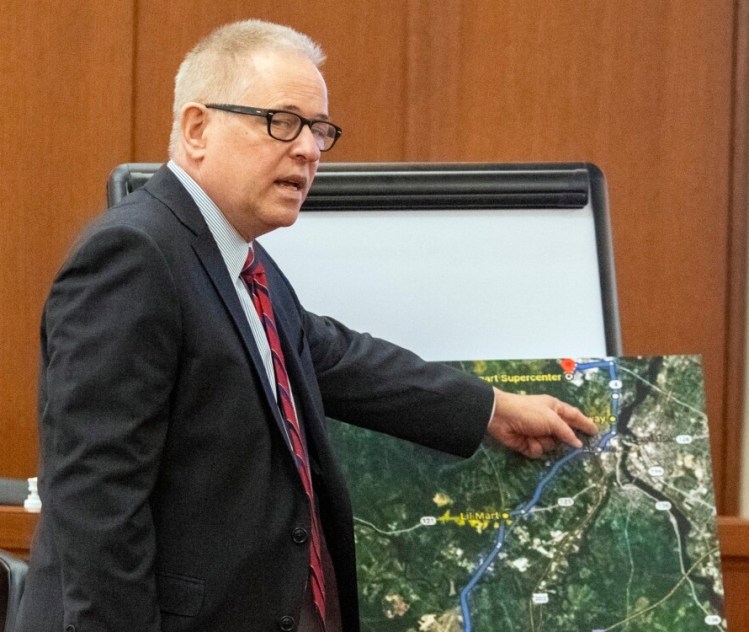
(193, 127)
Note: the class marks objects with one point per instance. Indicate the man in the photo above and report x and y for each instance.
(187, 481)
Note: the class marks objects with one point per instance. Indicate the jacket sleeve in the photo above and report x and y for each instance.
(110, 337)
(373, 383)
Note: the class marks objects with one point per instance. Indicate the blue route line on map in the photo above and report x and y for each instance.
(524, 510)
(464, 594)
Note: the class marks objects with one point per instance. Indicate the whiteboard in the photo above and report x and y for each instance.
(454, 261)
(458, 283)
(452, 285)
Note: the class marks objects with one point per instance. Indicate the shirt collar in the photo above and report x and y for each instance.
(230, 243)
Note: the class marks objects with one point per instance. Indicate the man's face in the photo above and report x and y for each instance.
(259, 183)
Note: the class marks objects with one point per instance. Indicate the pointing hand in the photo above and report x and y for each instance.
(534, 424)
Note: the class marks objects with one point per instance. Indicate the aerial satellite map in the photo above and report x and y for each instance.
(617, 535)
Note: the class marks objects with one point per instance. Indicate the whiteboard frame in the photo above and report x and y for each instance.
(412, 187)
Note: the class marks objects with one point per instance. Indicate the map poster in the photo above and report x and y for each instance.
(619, 535)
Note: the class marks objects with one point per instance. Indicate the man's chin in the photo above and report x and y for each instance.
(282, 218)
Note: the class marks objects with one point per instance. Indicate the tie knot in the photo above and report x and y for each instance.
(249, 265)
(253, 270)
(248, 261)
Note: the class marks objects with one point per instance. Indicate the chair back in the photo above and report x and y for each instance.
(12, 581)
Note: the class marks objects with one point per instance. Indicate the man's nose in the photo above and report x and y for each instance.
(307, 145)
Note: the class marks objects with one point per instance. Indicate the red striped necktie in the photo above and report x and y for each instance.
(253, 275)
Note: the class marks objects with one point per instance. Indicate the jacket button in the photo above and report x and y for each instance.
(299, 535)
(69, 628)
(286, 623)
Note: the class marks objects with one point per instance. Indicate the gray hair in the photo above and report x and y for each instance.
(211, 70)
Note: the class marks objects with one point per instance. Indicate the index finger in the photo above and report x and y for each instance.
(575, 418)
(561, 431)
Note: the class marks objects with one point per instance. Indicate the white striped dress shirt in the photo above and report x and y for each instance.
(234, 250)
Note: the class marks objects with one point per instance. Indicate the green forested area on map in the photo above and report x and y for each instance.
(617, 536)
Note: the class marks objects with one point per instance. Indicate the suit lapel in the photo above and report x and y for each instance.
(165, 186)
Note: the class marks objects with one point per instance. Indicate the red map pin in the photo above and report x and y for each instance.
(568, 365)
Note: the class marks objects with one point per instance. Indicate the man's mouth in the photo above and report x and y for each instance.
(292, 183)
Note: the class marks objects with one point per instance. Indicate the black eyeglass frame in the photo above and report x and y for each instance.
(268, 116)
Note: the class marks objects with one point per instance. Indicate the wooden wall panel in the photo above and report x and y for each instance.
(65, 79)
(365, 70)
(736, 388)
(734, 548)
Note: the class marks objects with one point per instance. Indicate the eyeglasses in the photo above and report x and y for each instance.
(286, 126)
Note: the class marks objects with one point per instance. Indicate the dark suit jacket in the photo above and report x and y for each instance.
(170, 500)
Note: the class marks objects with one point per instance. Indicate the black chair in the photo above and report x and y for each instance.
(13, 491)
(12, 581)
